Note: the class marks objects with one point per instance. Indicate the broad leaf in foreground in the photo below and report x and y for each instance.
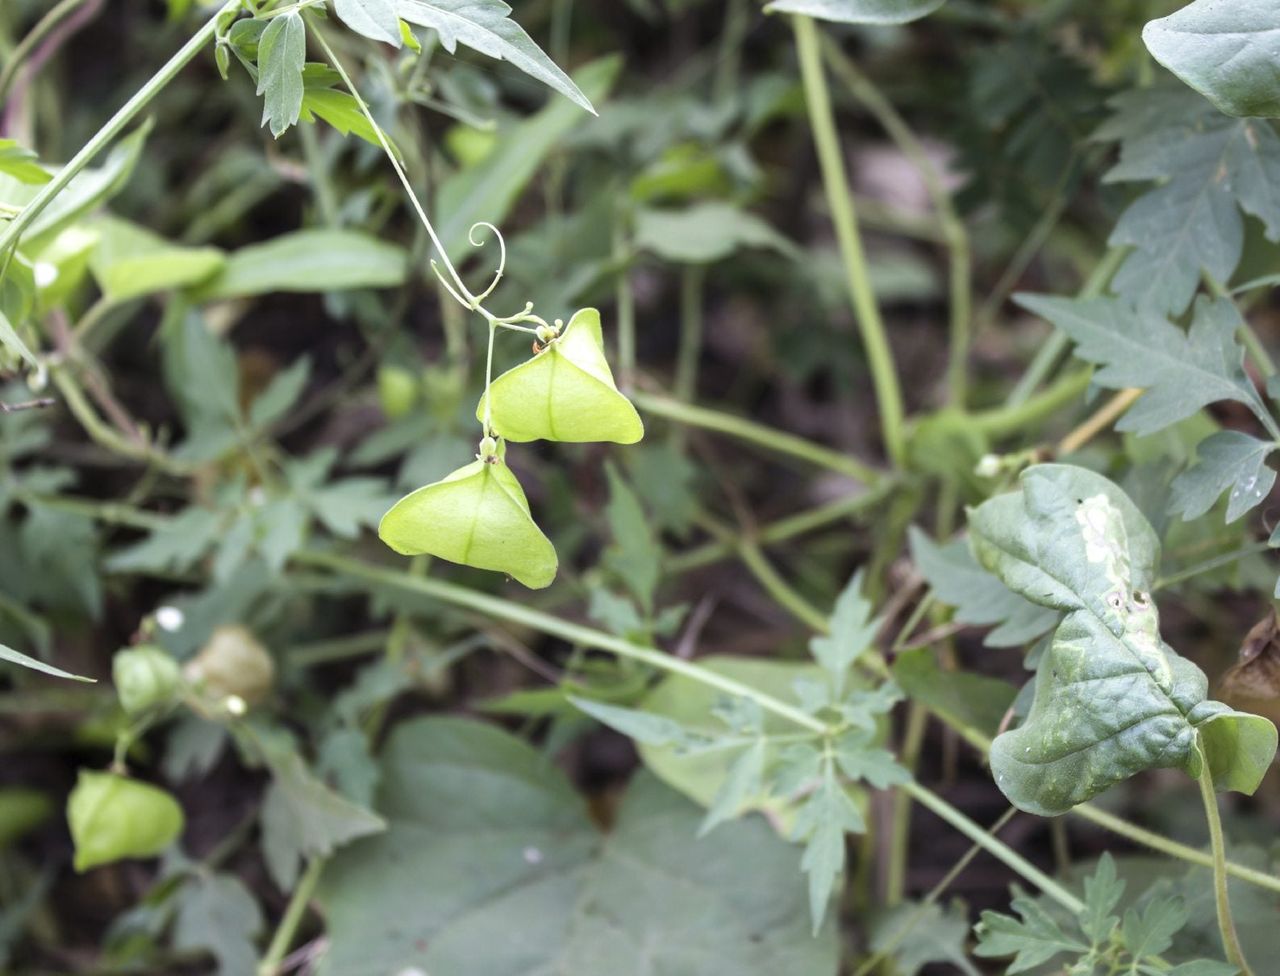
(1111, 698)
(491, 867)
(1225, 51)
(1181, 371)
(486, 26)
(858, 11)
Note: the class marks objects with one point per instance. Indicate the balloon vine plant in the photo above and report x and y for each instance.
(478, 515)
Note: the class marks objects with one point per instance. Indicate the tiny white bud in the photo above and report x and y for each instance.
(170, 619)
(235, 705)
(989, 466)
(44, 273)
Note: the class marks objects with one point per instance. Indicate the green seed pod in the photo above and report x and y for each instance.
(233, 663)
(565, 392)
(145, 677)
(478, 516)
(397, 390)
(113, 817)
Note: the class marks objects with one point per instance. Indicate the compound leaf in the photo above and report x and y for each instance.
(17, 657)
(1181, 371)
(477, 516)
(1111, 698)
(852, 631)
(1033, 940)
(1225, 51)
(1225, 460)
(565, 392)
(282, 53)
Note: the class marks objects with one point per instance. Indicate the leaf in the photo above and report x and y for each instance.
(962, 698)
(308, 261)
(1033, 940)
(742, 786)
(130, 262)
(282, 52)
(644, 727)
(706, 233)
(484, 26)
(635, 555)
(21, 163)
(821, 823)
(1111, 698)
(488, 191)
(1226, 52)
(304, 818)
(10, 338)
(565, 392)
(477, 516)
(851, 633)
(217, 913)
(17, 657)
(113, 817)
(1208, 167)
(375, 19)
(1225, 460)
(280, 394)
(490, 867)
(342, 112)
(918, 934)
(1181, 371)
(1150, 931)
(979, 597)
(861, 760)
(858, 11)
(1102, 891)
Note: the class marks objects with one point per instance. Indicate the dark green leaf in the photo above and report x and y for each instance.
(1033, 940)
(282, 51)
(1225, 460)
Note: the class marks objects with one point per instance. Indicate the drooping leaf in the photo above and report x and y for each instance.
(282, 52)
(565, 392)
(979, 597)
(308, 261)
(1181, 371)
(705, 233)
(1225, 51)
(376, 19)
(477, 516)
(130, 261)
(485, 26)
(21, 163)
(1227, 460)
(1207, 167)
(302, 818)
(491, 867)
(17, 657)
(487, 191)
(858, 11)
(1111, 698)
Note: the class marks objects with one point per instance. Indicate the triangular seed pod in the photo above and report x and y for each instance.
(564, 393)
(478, 516)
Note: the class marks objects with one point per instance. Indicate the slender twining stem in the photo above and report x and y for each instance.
(1104, 417)
(884, 374)
(685, 385)
(13, 231)
(1221, 897)
(1008, 420)
(953, 230)
(1209, 565)
(43, 28)
(747, 430)
(291, 919)
(626, 301)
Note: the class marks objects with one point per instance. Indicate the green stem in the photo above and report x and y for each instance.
(778, 588)
(626, 301)
(113, 127)
(1013, 419)
(1222, 899)
(996, 848)
(43, 28)
(692, 280)
(900, 830)
(953, 230)
(759, 434)
(292, 918)
(822, 121)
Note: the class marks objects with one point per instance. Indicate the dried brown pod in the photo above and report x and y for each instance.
(1253, 683)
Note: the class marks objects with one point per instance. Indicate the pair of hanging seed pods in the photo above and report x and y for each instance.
(478, 515)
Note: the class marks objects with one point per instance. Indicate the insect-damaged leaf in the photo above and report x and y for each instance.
(564, 393)
(477, 516)
(1111, 698)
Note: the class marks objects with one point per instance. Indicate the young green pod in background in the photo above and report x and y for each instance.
(565, 392)
(113, 817)
(145, 677)
(477, 516)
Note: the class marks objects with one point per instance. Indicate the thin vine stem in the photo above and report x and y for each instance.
(292, 918)
(884, 374)
(14, 230)
(1221, 896)
(43, 28)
